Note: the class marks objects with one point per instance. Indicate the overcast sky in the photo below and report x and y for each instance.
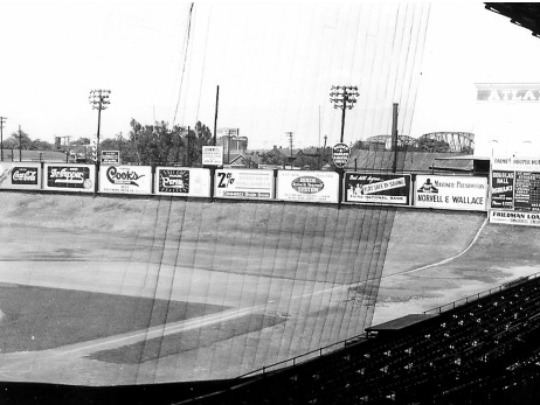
(274, 61)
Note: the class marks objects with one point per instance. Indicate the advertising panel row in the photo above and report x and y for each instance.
(515, 190)
(428, 191)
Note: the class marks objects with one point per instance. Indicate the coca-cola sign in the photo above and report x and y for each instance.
(123, 175)
(69, 177)
(24, 175)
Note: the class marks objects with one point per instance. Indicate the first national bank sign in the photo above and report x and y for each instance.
(508, 92)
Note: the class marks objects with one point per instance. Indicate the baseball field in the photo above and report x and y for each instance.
(112, 290)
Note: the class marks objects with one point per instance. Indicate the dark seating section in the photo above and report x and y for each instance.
(485, 351)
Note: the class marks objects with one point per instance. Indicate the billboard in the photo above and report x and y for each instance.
(510, 217)
(110, 157)
(244, 183)
(17, 176)
(515, 190)
(502, 189)
(340, 154)
(69, 177)
(378, 188)
(451, 192)
(308, 186)
(125, 179)
(182, 181)
(212, 155)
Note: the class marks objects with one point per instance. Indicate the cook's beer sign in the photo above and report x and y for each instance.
(340, 155)
(126, 179)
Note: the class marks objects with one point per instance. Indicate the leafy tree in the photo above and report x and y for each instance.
(159, 144)
(273, 157)
(128, 151)
(13, 140)
(38, 144)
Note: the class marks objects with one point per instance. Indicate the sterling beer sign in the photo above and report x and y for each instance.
(126, 179)
(20, 176)
(70, 177)
(340, 155)
(308, 186)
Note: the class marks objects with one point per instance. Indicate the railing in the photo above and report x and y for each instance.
(301, 358)
(482, 294)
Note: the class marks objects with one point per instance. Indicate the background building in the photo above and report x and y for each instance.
(230, 138)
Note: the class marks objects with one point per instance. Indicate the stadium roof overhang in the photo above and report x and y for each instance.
(526, 15)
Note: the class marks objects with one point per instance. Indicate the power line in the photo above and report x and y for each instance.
(182, 74)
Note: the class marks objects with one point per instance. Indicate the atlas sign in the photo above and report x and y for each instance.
(500, 92)
(340, 155)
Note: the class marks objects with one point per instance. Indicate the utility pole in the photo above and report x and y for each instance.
(290, 136)
(395, 135)
(100, 100)
(2, 122)
(20, 144)
(343, 97)
(229, 146)
(324, 149)
(216, 115)
(188, 147)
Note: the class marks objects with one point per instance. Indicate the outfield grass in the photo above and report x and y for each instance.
(177, 343)
(38, 318)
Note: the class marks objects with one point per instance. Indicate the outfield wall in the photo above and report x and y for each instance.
(300, 186)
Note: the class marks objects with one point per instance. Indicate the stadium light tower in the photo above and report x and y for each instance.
(343, 97)
(99, 99)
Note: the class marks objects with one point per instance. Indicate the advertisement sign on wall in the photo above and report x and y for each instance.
(451, 192)
(308, 186)
(378, 188)
(244, 183)
(502, 189)
(126, 179)
(69, 177)
(212, 155)
(514, 217)
(20, 175)
(110, 157)
(182, 181)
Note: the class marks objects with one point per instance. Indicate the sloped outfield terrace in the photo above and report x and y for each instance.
(303, 275)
